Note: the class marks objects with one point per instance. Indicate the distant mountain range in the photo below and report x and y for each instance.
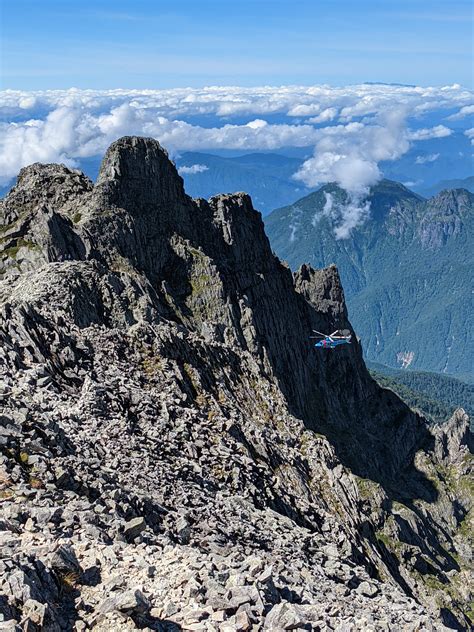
(268, 177)
(460, 183)
(427, 168)
(429, 162)
(407, 271)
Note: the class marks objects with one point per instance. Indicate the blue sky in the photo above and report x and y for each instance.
(104, 44)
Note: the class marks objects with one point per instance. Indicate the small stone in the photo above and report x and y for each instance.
(218, 616)
(35, 611)
(242, 622)
(29, 525)
(133, 528)
(369, 590)
(43, 381)
(196, 615)
(131, 601)
(284, 616)
(170, 609)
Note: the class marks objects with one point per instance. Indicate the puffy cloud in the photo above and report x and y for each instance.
(470, 134)
(349, 155)
(366, 123)
(192, 169)
(439, 131)
(329, 114)
(421, 160)
(305, 110)
(327, 208)
(293, 229)
(466, 110)
(353, 214)
(37, 141)
(71, 133)
(328, 203)
(27, 102)
(412, 183)
(345, 217)
(229, 101)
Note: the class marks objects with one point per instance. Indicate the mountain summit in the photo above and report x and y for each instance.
(174, 452)
(406, 270)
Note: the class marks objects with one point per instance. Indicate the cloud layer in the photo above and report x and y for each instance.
(192, 169)
(352, 129)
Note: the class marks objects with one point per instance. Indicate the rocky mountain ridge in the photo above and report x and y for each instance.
(406, 271)
(175, 455)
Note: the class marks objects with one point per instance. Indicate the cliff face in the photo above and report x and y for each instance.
(168, 428)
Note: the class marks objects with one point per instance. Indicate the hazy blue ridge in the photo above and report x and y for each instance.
(459, 183)
(267, 177)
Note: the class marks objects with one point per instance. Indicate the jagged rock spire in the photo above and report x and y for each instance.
(137, 174)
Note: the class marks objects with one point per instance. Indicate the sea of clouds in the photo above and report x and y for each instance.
(352, 129)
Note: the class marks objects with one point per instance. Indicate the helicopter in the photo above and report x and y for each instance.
(331, 341)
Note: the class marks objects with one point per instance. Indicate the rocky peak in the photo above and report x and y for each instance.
(211, 269)
(136, 174)
(454, 438)
(443, 217)
(451, 201)
(323, 289)
(53, 186)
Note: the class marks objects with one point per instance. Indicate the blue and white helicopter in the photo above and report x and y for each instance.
(339, 337)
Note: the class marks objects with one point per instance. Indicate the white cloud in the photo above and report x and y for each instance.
(412, 183)
(295, 101)
(329, 114)
(349, 155)
(328, 204)
(353, 214)
(305, 110)
(367, 123)
(327, 208)
(345, 217)
(27, 102)
(421, 160)
(257, 124)
(70, 133)
(439, 131)
(192, 169)
(470, 134)
(466, 110)
(293, 229)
